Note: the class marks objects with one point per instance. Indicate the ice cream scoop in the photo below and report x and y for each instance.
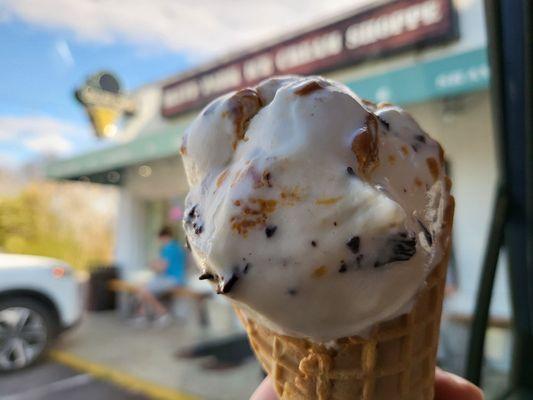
(319, 214)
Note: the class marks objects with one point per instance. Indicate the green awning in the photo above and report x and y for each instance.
(144, 148)
(425, 80)
(428, 79)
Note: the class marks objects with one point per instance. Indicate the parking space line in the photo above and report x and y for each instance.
(132, 383)
(51, 388)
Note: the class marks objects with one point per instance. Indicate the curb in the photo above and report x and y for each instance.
(129, 382)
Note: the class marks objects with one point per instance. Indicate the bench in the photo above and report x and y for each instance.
(129, 289)
(466, 319)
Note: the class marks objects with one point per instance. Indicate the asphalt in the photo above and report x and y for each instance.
(49, 380)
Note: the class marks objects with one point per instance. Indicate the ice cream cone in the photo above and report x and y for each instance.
(103, 120)
(396, 361)
(323, 218)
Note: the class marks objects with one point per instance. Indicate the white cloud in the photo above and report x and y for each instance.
(51, 144)
(8, 160)
(39, 134)
(196, 26)
(18, 126)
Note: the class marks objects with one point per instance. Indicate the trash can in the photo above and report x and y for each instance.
(100, 297)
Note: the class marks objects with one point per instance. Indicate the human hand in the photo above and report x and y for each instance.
(447, 387)
(158, 266)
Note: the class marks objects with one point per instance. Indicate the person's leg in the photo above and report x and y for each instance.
(141, 308)
(158, 286)
(148, 298)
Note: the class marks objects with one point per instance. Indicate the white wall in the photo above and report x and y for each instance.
(138, 193)
(167, 179)
(130, 252)
(464, 128)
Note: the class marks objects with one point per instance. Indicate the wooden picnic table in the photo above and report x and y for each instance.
(129, 289)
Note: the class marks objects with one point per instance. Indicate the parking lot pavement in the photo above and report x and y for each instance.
(49, 380)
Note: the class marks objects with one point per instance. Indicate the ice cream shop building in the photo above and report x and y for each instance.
(427, 55)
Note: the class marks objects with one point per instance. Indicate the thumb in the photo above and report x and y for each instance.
(265, 391)
(452, 387)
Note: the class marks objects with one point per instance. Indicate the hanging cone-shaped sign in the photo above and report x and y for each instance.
(105, 103)
(104, 120)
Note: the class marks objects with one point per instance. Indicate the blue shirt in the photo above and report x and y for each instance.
(174, 255)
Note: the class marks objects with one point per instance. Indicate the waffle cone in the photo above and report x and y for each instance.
(396, 361)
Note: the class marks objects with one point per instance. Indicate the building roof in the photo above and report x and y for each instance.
(420, 80)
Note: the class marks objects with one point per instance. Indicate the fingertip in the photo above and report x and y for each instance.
(450, 386)
(265, 391)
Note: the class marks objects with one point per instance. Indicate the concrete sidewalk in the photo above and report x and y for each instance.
(146, 357)
(149, 353)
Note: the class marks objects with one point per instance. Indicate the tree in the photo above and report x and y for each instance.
(60, 220)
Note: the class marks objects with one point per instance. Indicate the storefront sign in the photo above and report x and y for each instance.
(451, 75)
(374, 32)
(104, 102)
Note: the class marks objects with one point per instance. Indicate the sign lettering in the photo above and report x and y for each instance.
(373, 32)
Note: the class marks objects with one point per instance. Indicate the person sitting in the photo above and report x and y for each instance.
(169, 272)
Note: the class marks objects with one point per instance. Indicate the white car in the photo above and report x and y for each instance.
(39, 299)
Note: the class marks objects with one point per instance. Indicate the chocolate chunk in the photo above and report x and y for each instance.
(353, 244)
(313, 243)
(292, 292)
(404, 248)
(427, 235)
(343, 268)
(335, 223)
(270, 230)
(193, 218)
(350, 171)
(228, 286)
(415, 147)
(246, 267)
(420, 138)
(359, 259)
(191, 214)
(398, 247)
(266, 178)
(206, 275)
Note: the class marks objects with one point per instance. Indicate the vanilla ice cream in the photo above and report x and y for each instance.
(318, 213)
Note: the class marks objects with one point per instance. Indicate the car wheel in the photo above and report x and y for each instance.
(26, 329)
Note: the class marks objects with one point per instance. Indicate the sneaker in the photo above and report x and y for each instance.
(138, 322)
(162, 321)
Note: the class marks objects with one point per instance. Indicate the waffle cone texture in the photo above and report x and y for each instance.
(395, 362)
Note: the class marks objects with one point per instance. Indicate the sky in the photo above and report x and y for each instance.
(49, 47)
